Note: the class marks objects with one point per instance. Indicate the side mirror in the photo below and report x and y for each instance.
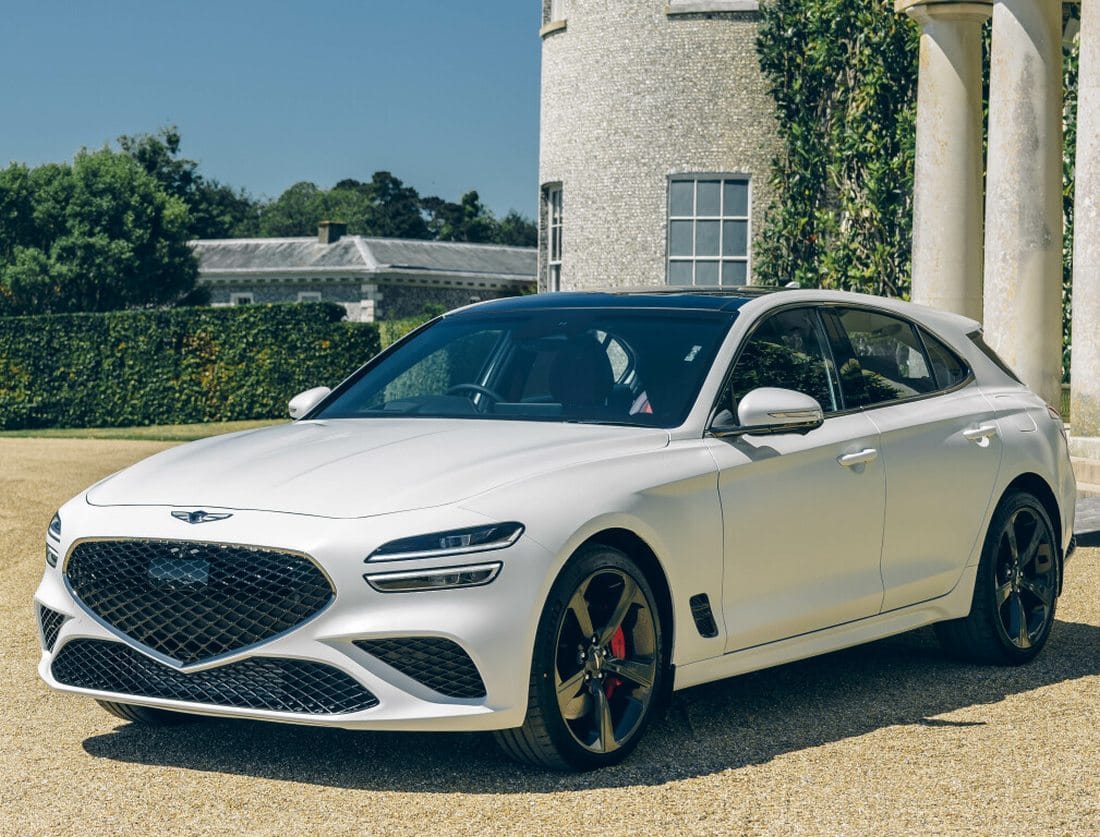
(303, 402)
(770, 410)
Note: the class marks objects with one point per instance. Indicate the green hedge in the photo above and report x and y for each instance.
(172, 366)
(390, 331)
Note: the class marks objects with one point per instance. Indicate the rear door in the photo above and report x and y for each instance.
(940, 445)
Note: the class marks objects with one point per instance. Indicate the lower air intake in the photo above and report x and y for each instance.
(256, 683)
(438, 663)
(50, 622)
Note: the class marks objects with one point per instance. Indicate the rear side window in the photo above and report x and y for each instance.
(977, 339)
(887, 359)
(948, 369)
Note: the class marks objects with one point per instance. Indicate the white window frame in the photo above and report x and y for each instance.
(553, 237)
(309, 296)
(723, 215)
(244, 298)
(556, 11)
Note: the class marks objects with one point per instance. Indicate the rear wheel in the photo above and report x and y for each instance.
(1015, 593)
(146, 715)
(599, 665)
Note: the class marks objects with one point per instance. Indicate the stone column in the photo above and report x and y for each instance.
(947, 199)
(1023, 213)
(1085, 364)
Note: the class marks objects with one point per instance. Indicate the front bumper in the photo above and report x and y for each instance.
(494, 624)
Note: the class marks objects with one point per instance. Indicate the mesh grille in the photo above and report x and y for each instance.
(194, 601)
(255, 683)
(51, 622)
(436, 662)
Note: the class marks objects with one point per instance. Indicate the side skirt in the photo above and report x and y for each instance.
(954, 605)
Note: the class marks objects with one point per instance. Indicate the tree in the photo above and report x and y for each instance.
(396, 209)
(295, 212)
(517, 230)
(220, 211)
(467, 220)
(386, 208)
(97, 235)
(16, 210)
(215, 210)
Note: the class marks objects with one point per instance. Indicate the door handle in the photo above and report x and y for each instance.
(850, 460)
(980, 435)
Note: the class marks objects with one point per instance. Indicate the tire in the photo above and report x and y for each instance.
(601, 645)
(1016, 590)
(147, 715)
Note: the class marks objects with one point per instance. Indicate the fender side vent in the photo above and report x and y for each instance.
(701, 613)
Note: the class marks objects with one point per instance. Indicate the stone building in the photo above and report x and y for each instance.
(657, 138)
(373, 278)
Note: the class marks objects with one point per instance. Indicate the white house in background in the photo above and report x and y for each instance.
(373, 278)
(656, 142)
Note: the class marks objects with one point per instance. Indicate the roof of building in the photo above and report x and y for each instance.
(357, 255)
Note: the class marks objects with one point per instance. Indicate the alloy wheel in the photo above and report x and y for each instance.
(1026, 577)
(606, 660)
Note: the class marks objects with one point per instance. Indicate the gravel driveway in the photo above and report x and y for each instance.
(891, 737)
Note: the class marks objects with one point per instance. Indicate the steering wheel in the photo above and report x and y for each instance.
(476, 388)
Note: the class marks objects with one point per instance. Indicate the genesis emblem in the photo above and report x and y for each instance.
(199, 516)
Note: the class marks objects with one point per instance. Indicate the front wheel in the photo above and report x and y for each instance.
(599, 666)
(1015, 593)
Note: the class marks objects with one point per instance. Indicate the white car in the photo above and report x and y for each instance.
(539, 516)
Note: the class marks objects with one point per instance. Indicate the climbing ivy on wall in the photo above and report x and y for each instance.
(1070, 60)
(843, 75)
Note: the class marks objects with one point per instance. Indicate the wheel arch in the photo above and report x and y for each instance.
(1039, 488)
(642, 554)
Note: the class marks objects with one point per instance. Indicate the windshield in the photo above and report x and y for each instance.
(617, 366)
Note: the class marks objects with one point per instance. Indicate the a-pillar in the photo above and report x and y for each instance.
(1085, 364)
(1023, 215)
(947, 199)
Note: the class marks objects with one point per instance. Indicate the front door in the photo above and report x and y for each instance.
(803, 514)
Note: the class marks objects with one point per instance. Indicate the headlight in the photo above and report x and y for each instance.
(452, 542)
(53, 532)
(441, 579)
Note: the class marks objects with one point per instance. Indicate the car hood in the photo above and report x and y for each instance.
(363, 467)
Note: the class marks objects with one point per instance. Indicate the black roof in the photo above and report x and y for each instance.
(667, 298)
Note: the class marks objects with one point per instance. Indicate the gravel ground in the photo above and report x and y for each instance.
(891, 737)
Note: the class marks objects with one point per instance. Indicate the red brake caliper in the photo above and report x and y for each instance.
(618, 648)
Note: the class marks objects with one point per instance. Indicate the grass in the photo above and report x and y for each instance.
(153, 433)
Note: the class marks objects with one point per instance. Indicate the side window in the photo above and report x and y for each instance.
(787, 350)
(946, 365)
(887, 360)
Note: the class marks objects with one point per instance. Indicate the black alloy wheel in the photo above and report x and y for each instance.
(599, 667)
(1016, 590)
(1026, 578)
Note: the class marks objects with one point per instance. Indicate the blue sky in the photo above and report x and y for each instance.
(443, 94)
